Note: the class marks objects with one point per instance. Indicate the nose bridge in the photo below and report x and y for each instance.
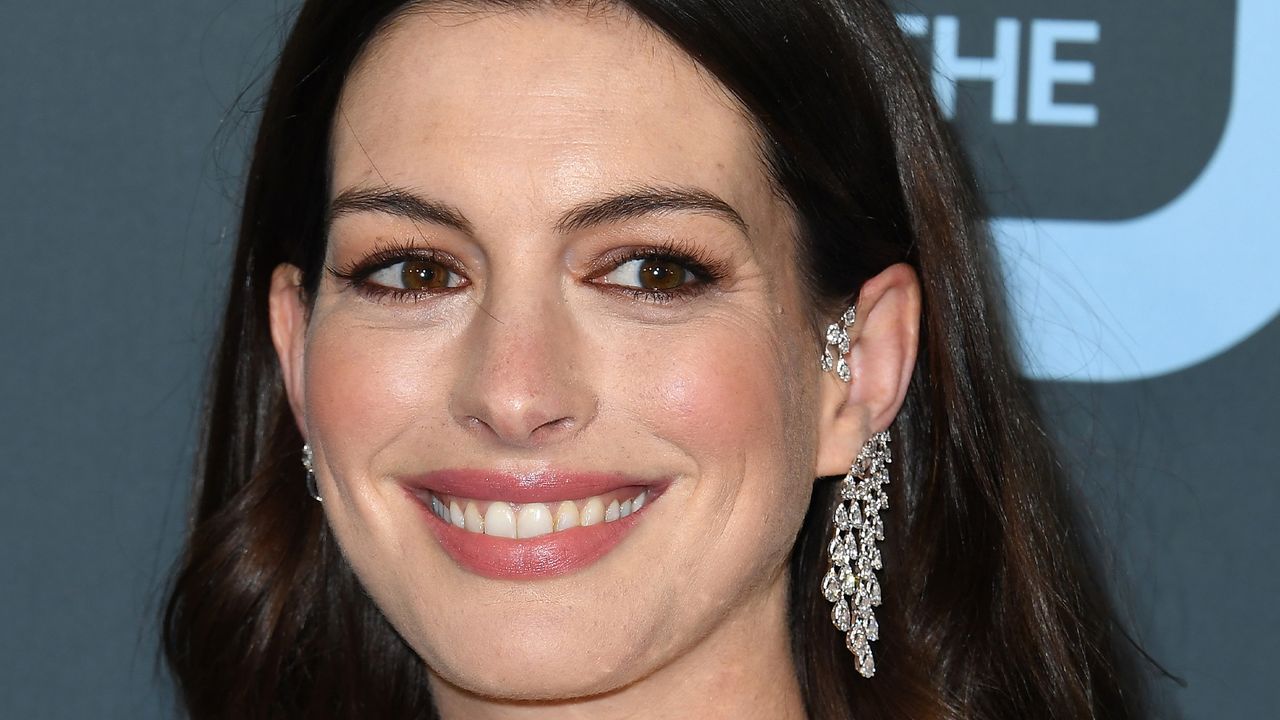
(521, 382)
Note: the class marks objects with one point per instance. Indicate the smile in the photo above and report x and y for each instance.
(498, 518)
(530, 526)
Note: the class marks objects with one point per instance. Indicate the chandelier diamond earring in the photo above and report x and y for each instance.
(850, 584)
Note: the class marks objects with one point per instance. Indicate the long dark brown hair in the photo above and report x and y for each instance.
(991, 609)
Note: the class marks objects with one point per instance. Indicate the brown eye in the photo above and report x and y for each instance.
(423, 275)
(653, 274)
(662, 274)
(416, 275)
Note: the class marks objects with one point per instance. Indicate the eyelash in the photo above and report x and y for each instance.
(356, 274)
(706, 271)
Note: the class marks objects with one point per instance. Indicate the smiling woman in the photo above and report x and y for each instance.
(531, 296)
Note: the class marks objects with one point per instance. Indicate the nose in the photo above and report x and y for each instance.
(522, 383)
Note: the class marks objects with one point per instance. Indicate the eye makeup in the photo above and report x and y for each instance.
(702, 271)
(695, 270)
(358, 274)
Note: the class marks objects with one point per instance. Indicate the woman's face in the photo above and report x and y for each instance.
(557, 280)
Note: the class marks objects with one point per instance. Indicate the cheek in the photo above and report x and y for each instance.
(366, 386)
(717, 402)
(734, 402)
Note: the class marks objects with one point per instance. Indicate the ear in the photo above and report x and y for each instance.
(288, 313)
(883, 344)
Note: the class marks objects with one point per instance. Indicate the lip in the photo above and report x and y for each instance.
(545, 556)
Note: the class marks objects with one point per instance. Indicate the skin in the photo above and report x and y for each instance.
(536, 361)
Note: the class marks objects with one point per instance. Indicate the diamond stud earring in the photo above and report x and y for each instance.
(308, 462)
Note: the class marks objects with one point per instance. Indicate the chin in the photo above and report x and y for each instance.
(580, 635)
(535, 667)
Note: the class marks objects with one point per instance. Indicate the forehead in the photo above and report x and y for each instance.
(544, 107)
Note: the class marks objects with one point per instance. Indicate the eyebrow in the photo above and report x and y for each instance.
(626, 205)
(397, 202)
(648, 201)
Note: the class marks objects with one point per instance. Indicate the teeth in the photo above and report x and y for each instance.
(500, 520)
(472, 520)
(566, 516)
(534, 520)
(530, 520)
(593, 512)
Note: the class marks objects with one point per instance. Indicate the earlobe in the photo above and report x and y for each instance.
(884, 342)
(288, 317)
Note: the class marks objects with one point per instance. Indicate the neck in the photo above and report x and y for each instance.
(743, 669)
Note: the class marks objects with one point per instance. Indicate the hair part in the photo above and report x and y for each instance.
(991, 606)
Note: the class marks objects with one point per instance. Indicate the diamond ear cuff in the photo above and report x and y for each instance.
(838, 338)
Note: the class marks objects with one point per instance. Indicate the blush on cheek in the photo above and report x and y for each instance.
(364, 386)
(743, 415)
(728, 411)
(720, 403)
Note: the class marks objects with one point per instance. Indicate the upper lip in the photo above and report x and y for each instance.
(546, 485)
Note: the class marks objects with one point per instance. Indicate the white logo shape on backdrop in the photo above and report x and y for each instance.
(1114, 301)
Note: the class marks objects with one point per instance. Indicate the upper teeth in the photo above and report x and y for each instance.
(509, 520)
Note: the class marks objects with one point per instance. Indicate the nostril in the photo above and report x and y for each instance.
(522, 431)
(564, 424)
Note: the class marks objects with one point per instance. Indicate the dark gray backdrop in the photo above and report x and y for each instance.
(123, 139)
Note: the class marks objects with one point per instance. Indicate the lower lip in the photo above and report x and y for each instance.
(545, 556)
